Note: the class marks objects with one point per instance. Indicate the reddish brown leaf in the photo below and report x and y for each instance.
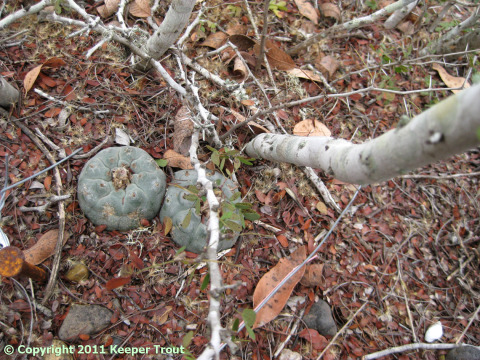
(318, 341)
(117, 282)
(215, 40)
(277, 58)
(31, 77)
(47, 182)
(44, 248)
(282, 239)
(268, 282)
(313, 275)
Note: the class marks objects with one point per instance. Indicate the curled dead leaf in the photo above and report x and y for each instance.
(311, 128)
(177, 160)
(331, 10)
(306, 9)
(44, 248)
(270, 280)
(239, 69)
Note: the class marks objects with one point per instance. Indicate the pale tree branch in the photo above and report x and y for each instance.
(448, 128)
(350, 25)
(29, 10)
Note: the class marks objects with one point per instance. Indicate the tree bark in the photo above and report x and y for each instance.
(450, 127)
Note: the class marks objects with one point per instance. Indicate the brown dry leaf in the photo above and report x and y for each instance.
(321, 207)
(236, 29)
(311, 128)
(167, 224)
(331, 10)
(32, 75)
(449, 80)
(276, 57)
(328, 65)
(160, 317)
(268, 282)
(282, 239)
(312, 276)
(108, 9)
(242, 42)
(215, 40)
(140, 8)
(240, 71)
(307, 10)
(254, 127)
(183, 130)
(304, 74)
(44, 248)
(177, 160)
(54, 62)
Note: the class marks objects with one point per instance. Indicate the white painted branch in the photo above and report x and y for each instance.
(29, 10)
(448, 128)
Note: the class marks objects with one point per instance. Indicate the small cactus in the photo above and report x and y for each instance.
(120, 186)
(185, 207)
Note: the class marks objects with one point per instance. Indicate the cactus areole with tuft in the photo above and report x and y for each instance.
(120, 186)
(188, 210)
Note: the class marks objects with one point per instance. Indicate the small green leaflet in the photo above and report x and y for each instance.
(232, 225)
(249, 316)
(187, 219)
(161, 162)
(205, 282)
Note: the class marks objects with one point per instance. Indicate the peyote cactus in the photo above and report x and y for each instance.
(186, 208)
(120, 186)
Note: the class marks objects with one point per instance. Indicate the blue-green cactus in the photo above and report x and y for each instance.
(186, 208)
(120, 186)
